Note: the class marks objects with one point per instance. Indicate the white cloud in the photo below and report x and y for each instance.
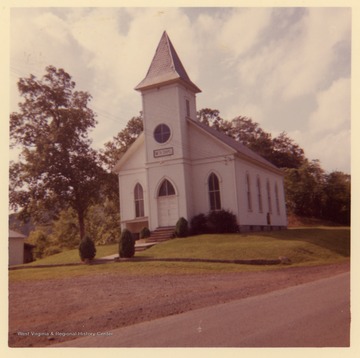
(261, 68)
(250, 110)
(52, 27)
(206, 23)
(333, 108)
(305, 69)
(297, 62)
(31, 49)
(333, 150)
(246, 61)
(125, 58)
(241, 30)
(327, 136)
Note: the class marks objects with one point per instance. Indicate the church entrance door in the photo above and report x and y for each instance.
(168, 213)
(167, 205)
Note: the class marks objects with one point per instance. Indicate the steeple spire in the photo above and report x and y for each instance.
(166, 68)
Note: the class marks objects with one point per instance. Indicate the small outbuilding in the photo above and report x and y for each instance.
(20, 252)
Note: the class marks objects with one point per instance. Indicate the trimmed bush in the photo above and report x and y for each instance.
(198, 225)
(182, 229)
(126, 244)
(144, 233)
(87, 250)
(222, 221)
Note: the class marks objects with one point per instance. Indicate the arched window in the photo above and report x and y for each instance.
(214, 192)
(248, 191)
(269, 195)
(166, 189)
(258, 183)
(139, 201)
(277, 199)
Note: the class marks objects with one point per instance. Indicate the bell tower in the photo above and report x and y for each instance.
(168, 99)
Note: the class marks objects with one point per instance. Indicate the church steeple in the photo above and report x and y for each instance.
(166, 68)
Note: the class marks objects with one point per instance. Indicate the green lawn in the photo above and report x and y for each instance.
(304, 246)
(72, 256)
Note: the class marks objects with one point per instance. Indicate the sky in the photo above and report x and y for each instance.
(289, 69)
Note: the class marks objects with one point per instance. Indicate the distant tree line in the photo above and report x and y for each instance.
(66, 188)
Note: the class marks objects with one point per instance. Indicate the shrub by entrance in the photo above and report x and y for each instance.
(144, 233)
(182, 229)
(216, 222)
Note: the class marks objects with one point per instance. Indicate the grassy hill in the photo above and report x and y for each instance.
(300, 245)
(303, 246)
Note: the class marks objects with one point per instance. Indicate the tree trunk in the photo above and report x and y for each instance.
(81, 224)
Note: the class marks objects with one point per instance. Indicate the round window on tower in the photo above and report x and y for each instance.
(162, 133)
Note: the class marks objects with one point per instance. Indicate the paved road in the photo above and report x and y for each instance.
(315, 314)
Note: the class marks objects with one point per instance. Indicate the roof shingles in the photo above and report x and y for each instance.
(166, 67)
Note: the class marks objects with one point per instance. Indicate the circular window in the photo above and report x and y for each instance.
(162, 133)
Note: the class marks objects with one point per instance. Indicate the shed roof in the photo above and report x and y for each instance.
(15, 235)
(165, 68)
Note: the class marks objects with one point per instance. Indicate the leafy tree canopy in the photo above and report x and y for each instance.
(304, 189)
(57, 167)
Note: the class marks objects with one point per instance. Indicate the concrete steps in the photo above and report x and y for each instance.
(145, 246)
(161, 234)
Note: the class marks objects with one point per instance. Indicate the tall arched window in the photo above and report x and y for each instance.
(268, 195)
(214, 192)
(139, 201)
(166, 189)
(277, 199)
(258, 184)
(248, 191)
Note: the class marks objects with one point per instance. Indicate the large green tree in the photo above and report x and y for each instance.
(286, 153)
(212, 118)
(249, 133)
(337, 192)
(304, 189)
(57, 167)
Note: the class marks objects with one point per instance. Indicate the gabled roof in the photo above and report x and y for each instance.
(131, 150)
(240, 148)
(166, 68)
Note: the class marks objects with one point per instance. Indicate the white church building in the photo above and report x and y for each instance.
(179, 167)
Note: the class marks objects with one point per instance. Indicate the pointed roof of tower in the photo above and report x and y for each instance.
(166, 68)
